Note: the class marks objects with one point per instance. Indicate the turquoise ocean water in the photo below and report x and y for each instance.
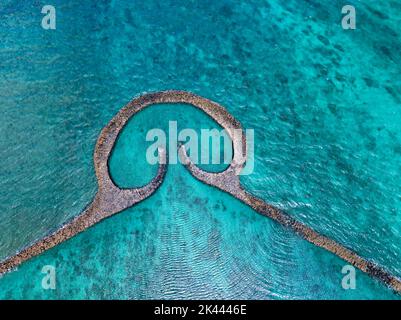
(324, 104)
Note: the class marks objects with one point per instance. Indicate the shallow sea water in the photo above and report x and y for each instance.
(324, 104)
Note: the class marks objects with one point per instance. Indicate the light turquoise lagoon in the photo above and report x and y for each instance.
(325, 106)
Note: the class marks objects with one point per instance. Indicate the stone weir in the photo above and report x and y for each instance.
(110, 199)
